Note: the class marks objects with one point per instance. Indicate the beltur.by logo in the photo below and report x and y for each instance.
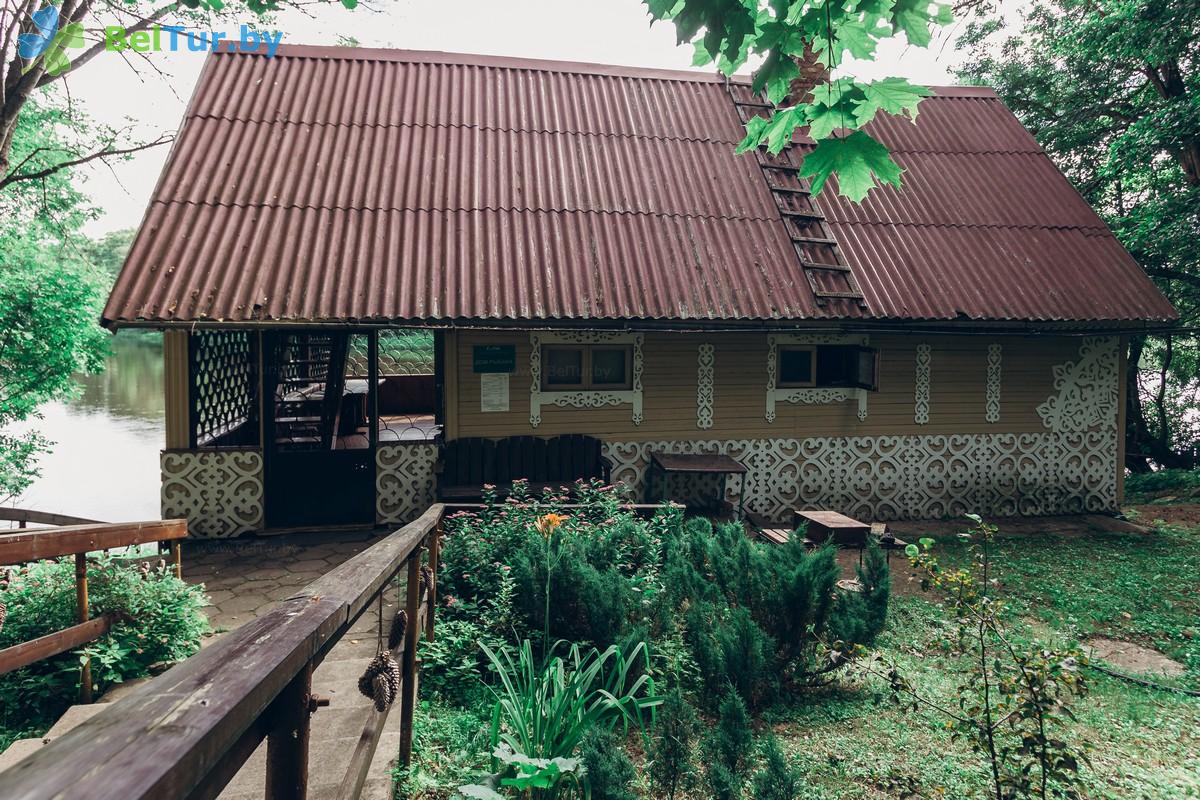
(174, 38)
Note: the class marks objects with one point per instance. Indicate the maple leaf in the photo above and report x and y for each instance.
(858, 161)
(890, 95)
(914, 17)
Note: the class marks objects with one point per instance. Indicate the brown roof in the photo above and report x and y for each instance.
(338, 184)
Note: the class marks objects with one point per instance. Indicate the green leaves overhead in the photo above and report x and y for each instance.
(857, 160)
(781, 32)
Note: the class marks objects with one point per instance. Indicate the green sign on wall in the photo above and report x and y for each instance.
(494, 357)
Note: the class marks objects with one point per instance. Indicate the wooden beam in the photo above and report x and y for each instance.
(34, 544)
(53, 644)
(27, 515)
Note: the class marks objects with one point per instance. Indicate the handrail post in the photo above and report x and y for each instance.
(408, 692)
(435, 552)
(287, 742)
(81, 615)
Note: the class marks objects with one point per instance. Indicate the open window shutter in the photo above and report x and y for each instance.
(865, 367)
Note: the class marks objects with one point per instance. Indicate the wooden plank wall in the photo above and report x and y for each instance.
(175, 388)
(957, 390)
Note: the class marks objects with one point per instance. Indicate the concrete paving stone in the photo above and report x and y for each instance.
(259, 587)
(301, 577)
(215, 598)
(240, 604)
(317, 565)
(267, 572)
(264, 607)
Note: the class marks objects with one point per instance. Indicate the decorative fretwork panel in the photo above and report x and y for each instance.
(403, 481)
(906, 477)
(223, 388)
(401, 352)
(219, 492)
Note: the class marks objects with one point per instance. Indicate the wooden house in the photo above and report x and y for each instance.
(360, 255)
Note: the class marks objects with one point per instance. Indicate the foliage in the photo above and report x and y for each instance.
(160, 621)
(50, 297)
(728, 749)
(1013, 706)
(108, 252)
(794, 40)
(671, 751)
(714, 607)
(776, 779)
(543, 712)
(450, 746)
(609, 772)
(1111, 90)
(1162, 485)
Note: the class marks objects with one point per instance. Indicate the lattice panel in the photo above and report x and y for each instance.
(403, 481)
(401, 352)
(219, 492)
(223, 387)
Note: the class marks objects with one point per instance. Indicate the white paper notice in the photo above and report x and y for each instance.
(493, 391)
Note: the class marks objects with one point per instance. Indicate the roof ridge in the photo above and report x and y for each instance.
(512, 209)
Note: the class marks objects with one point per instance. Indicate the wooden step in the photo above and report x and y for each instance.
(825, 267)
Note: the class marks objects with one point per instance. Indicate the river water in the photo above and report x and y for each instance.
(104, 463)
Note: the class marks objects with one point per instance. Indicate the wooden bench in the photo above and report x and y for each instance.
(467, 464)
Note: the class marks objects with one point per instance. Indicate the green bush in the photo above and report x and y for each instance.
(671, 750)
(776, 779)
(728, 749)
(160, 621)
(608, 771)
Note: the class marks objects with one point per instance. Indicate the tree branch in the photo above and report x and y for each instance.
(78, 61)
(14, 177)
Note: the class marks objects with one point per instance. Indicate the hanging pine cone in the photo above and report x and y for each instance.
(381, 693)
(426, 578)
(3, 614)
(162, 565)
(144, 569)
(396, 632)
(382, 671)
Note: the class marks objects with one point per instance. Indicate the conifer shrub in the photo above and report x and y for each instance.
(776, 779)
(728, 749)
(671, 750)
(608, 770)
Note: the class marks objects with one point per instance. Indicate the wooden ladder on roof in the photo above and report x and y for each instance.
(821, 259)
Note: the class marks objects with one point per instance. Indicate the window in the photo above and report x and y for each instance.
(796, 366)
(595, 367)
(849, 366)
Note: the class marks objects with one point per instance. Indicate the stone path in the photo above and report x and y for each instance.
(245, 579)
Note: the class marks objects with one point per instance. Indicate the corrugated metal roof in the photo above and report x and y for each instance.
(335, 184)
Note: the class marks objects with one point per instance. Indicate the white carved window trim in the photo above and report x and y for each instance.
(992, 404)
(705, 361)
(809, 396)
(921, 391)
(585, 398)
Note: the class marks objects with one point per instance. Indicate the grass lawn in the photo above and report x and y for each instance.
(1144, 743)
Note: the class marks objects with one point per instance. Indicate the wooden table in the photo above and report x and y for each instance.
(663, 464)
(846, 532)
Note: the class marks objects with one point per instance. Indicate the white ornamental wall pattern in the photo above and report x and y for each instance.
(921, 391)
(403, 481)
(539, 397)
(906, 477)
(1085, 390)
(1071, 467)
(705, 363)
(992, 400)
(219, 492)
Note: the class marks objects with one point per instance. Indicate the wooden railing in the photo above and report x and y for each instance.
(188, 732)
(32, 544)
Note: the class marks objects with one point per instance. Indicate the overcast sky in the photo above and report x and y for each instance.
(602, 31)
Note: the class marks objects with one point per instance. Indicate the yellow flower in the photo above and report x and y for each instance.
(548, 524)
